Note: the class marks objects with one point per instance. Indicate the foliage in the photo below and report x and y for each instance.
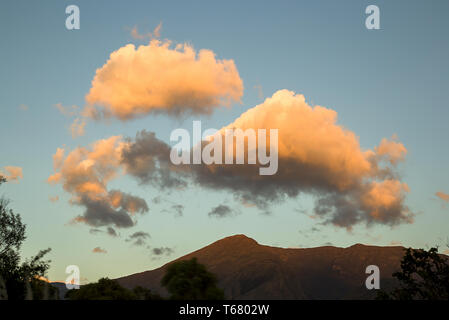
(190, 280)
(12, 230)
(15, 275)
(107, 289)
(43, 290)
(145, 294)
(183, 279)
(424, 275)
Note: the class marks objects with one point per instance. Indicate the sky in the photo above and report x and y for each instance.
(382, 97)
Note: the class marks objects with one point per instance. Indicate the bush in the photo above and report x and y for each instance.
(189, 280)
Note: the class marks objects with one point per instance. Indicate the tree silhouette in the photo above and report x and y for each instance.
(424, 275)
(145, 294)
(190, 280)
(107, 289)
(17, 277)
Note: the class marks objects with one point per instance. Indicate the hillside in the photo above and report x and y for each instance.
(248, 270)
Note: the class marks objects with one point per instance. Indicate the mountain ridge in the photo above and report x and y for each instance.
(246, 269)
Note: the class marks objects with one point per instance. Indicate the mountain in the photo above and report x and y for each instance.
(248, 270)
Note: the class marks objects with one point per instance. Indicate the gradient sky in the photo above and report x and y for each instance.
(381, 82)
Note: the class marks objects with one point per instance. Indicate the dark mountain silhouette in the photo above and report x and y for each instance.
(248, 270)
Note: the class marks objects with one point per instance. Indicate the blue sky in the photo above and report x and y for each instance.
(381, 82)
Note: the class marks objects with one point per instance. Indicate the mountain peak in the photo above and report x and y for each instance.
(357, 245)
(241, 238)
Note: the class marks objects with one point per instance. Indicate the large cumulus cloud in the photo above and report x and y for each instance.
(316, 155)
(161, 78)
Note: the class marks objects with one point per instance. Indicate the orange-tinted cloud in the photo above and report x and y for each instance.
(310, 137)
(85, 173)
(54, 199)
(23, 107)
(87, 170)
(99, 250)
(162, 79)
(150, 35)
(12, 173)
(393, 150)
(259, 89)
(443, 196)
(382, 198)
(320, 157)
(77, 127)
(316, 156)
(67, 111)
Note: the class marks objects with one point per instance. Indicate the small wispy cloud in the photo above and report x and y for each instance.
(23, 107)
(12, 173)
(53, 199)
(77, 128)
(177, 209)
(139, 238)
(158, 253)
(109, 231)
(99, 250)
(95, 231)
(443, 196)
(149, 35)
(259, 89)
(162, 251)
(68, 111)
(221, 211)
